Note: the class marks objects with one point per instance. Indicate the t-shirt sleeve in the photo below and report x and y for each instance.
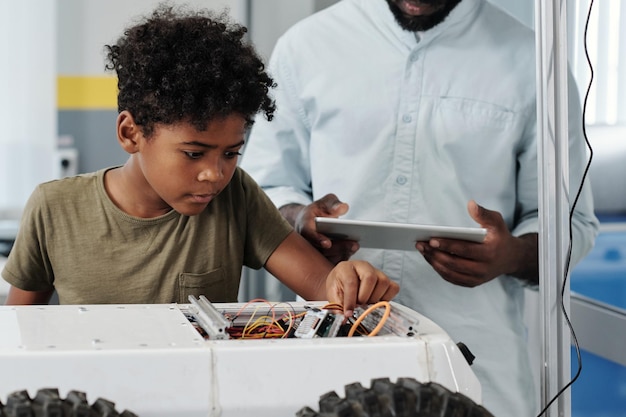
(28, 267)
(265, 226)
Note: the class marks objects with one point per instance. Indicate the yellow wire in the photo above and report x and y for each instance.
(270, 322)
(250, 322)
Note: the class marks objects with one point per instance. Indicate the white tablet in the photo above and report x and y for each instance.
(398, 236)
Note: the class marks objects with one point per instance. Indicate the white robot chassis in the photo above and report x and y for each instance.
(216, 359)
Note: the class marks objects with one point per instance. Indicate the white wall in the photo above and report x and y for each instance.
(41, 40)
(27, 98)
(86, 26)
(269, 19)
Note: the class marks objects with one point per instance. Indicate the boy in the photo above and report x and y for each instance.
(179, 218)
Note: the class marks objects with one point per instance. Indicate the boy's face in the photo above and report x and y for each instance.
(187, 168)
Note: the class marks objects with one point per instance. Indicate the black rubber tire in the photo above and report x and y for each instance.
(48, 403)
(404, 398)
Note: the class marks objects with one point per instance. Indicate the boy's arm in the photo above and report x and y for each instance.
(20, 297)
(304, 270)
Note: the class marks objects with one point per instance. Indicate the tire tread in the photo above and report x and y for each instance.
(48, 403)
(404, 398)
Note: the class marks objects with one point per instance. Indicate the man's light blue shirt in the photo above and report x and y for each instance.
(408, 128)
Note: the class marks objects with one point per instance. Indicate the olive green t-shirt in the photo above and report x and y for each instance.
(74, 239)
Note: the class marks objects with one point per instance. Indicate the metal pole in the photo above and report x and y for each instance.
(552, 129)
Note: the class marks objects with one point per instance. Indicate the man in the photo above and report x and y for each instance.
(423, 112)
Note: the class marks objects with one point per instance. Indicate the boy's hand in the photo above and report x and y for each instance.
(353, 283)
(470, 264)
(304, 223)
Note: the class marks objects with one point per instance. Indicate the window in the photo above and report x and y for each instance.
(606, 43)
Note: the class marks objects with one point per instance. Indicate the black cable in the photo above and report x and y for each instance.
(571, 215)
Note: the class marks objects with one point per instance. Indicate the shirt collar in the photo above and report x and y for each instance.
(457, 20)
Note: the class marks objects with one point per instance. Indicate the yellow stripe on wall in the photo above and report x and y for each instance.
(86, 93)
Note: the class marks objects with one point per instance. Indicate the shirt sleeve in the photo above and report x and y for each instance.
(527, 204)
(277, 154)
(266, 228)
(28, 266)
(585, 224)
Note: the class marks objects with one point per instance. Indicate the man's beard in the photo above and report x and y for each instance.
(422, 23)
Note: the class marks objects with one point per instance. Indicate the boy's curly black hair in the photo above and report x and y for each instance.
(188, 66)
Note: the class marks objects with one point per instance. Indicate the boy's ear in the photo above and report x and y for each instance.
(128, 133)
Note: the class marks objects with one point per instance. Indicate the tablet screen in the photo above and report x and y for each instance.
(398, 236)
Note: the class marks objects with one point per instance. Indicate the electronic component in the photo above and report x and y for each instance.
(261, 319)
(398, 322)
(211, 320)
(319, 323)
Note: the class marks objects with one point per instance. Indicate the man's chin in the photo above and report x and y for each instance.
(408, 19)
(412, 9)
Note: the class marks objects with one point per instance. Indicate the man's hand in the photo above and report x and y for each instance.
(355, 283)
(470, 264)
(302, 219)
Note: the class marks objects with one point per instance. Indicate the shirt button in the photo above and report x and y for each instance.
(401, 179)
(407, 118)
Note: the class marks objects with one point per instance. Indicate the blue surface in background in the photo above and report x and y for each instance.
(602, 273)
(600, 390)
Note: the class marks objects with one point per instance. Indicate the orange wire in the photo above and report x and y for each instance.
(380, 324)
